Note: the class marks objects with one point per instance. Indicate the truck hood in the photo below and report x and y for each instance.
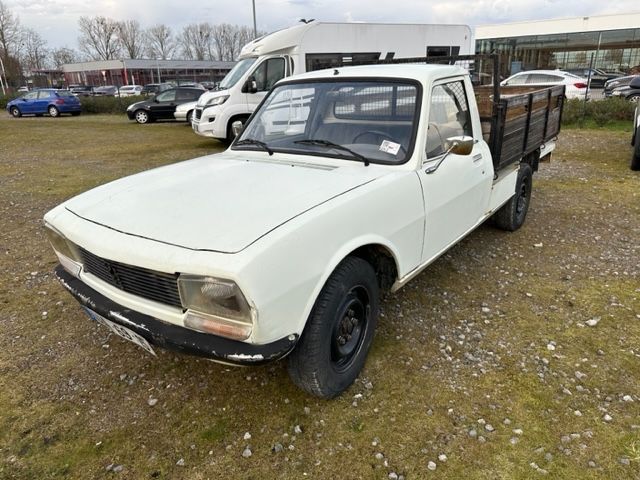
(219, 203)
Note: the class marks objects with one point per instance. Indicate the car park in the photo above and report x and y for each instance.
(82, 90)
(44, 101)
(617, 82)
(576, 87)
(184, 112)
(631, 91)
(598, 77)
(130, 90)
(344, 183)
(163, 105)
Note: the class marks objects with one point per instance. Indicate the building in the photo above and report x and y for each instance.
(612, 41)
(144, 71)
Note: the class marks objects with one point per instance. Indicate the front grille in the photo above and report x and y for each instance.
(198, 114)
(157, 286)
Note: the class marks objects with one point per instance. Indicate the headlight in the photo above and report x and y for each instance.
(65, 250)
(215, 306)
(216, 101)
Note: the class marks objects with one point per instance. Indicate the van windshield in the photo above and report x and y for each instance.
(362, 120)
(236, 73)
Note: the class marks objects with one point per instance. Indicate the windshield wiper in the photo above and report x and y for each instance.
(337, 146)
(253, 141)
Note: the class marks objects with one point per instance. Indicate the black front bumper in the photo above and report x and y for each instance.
(174, 337)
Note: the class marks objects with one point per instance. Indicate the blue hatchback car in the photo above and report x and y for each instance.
(51, 101)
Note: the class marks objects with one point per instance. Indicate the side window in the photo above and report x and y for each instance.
(43, 94)
(268, 73)
(187, 95)
(31, 96)
(519, 80)
(448, 116)
(168, 96)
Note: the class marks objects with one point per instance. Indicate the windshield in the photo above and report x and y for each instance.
(236, 73)
(361, 120)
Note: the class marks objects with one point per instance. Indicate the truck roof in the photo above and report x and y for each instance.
(420, 72)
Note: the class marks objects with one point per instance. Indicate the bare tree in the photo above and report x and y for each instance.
(160, 42)
(99, 37)
(197, 41)
(62, 56)
(34, 50)
(229, 40)
(10, 43)
(131, 38)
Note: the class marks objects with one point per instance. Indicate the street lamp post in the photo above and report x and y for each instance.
(255, 29)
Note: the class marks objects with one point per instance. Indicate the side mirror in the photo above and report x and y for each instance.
(462, 145)
(236, 128)
(250, 86)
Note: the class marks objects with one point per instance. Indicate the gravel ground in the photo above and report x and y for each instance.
(513, 356)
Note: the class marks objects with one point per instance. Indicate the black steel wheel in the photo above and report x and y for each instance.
(512, 214)
(334, 345)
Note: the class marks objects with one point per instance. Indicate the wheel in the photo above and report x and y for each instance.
(512, 214)
(53, 111)
(189, 116)
(335, 342)
(15, 112)
(141, 117)
(634, 98)
(635, 159)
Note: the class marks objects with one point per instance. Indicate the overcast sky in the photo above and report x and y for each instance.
(56, 20)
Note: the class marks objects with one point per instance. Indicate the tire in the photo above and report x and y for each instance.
(635, 158)
(334, 344)
(53, 111)
(142, 117)
(634, 98)
(189, 117)
(15, 112)
(512, 214)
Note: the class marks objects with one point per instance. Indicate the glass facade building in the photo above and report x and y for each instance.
(539, 45)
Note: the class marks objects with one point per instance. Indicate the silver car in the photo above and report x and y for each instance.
(184, 112)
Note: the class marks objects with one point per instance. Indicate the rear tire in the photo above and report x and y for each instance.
(15, 112)
(635, 158)
(634, 98)
(53, 111)
(334, 345)
(512, 214)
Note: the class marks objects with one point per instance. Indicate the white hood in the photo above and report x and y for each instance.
(218, 203)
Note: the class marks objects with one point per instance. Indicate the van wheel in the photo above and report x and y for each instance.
(512, 214)
(15, 112)
(335, 342)
(635, 159)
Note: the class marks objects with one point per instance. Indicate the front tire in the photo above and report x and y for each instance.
(15, 112)
(635, 158)
(142, 117)
(335, 342)
(189, 117)
(512, 214)
(53, 111)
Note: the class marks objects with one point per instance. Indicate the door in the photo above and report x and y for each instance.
(164, 104)
(266, 75)
(28, 102)
(41, 105)
(456, 188)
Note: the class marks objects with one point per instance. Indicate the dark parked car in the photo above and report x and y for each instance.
(39, 102)
(617, 82)
(163, 105)
(598, 77)
(155, 88)
(83, 90)
(631, 92)
(107, 91)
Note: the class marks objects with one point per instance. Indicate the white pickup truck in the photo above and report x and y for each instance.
(344, 183)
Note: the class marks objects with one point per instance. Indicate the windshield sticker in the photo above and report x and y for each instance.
(389, 147)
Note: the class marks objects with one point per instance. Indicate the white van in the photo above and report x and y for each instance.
(315, 46)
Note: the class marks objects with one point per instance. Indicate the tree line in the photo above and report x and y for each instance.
(23, 50)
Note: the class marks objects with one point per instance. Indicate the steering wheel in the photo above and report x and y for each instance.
(379, 134)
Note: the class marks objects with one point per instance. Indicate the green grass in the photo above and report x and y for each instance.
(73, 399)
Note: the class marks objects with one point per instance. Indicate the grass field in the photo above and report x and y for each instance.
(485, 365)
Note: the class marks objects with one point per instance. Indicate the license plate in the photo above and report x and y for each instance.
(121, 331)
